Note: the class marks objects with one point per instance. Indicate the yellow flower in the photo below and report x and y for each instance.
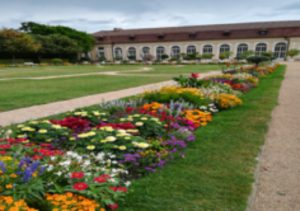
(86, 135)
(110, 138)
(122, 148)
(56, 126)
(28, 129)
(142, 145)
(42, 131)
(91, 147)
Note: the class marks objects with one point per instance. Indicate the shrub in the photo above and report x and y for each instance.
(57, 61)
(293, 52)
(257, 59)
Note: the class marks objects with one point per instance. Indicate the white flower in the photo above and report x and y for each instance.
(144, 118)
(139, 124)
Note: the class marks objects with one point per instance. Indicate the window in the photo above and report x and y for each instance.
(175, 52)
(101, 53)
(280, 50)
(146, 51)
(260, 48)
(242, 48)
(224, 48)
(207, 49)
(160, 51)
(132, 53)
(191, 50)
(118, 53)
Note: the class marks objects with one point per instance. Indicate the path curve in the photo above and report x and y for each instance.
(277, 185)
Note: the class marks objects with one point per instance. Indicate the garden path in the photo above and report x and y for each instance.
(113, 73)
(40, 111)
(277, 185)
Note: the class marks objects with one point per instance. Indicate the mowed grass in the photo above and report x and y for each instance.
(218, 171)
(18, 93)
(37, 71)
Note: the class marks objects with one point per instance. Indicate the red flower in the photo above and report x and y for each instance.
(103, 178)
(80, 186)
(2, 152)
(195, 75)
(113, 206)
(77, 175)
(5, 146)
(74, 123)
(119, 189)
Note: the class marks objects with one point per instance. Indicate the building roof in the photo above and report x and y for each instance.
(201, 32)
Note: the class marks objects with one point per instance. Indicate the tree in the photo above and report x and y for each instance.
(57, 46)
(293, 52)
(84, 40)
(14, 43)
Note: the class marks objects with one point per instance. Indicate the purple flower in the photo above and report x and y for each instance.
(2, 167)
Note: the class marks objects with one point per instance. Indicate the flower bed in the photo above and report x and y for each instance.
(88, 159)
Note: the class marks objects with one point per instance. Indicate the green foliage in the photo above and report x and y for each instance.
(207, 56)
(293, 52)
(164, 56)
(84, 40)
(257, 59)
(246, 54)
(225, 55)
(14, 43)
(57, 45)
(57, 61)
(190, 82)
(168, 97)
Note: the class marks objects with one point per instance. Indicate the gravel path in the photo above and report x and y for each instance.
(40, 111)
(277, 185)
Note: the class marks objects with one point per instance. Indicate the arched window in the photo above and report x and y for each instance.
(207, 49)
(160, 51)
(132, 53)
(175, 52)
(224, 48)
(101, 53)
(191, 50)
(280, 50)
(118, 53)
(242, 48)
(260, 48)
(146, 51)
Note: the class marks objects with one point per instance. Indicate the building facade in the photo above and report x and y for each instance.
(135, 44)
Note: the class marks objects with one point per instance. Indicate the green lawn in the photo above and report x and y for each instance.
(18, 93)
(218, 171)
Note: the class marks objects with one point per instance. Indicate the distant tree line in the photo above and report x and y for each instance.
(38, 41)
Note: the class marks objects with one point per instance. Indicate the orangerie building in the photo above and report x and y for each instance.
(134, 44)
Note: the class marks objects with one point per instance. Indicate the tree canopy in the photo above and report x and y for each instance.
(13, 43)
(84, 41)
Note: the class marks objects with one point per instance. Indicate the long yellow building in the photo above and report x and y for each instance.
(136, 44)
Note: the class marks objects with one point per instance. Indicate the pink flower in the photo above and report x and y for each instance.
(195, 75)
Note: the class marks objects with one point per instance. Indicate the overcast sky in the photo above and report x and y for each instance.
(95, 15)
